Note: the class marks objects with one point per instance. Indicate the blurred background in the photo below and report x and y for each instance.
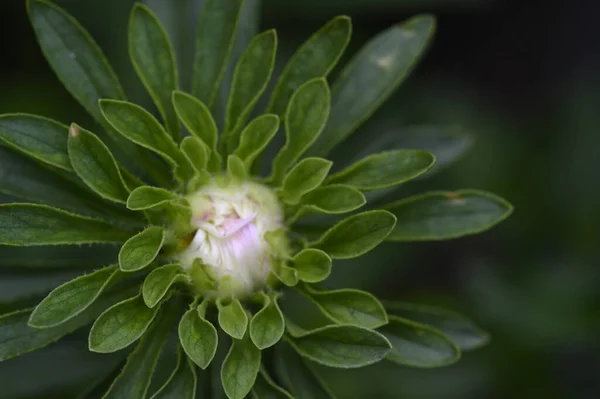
(521, 77)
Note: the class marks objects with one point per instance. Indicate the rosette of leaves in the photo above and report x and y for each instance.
(112, 197)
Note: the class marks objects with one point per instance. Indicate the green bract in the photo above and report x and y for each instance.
(180, 229)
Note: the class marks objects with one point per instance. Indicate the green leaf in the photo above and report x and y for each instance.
(30, 224)
(302, 381)
(17, 338)
(284, 273)
(197, 118)
(312, 265)
(147, 197)
(418, 345)
(95, 165)
(305, 118)
(83, 70)
(141, 249)
(267, 325)
(46, 380)
(443, 215)
(58, 257)
(232, 317)
(240, 368)
(134, 380)
(196, 152)
(250, 79)
(182, 383)
(386, 169)
(333, 199)
(153, 58)
(214, 41)
(157, 283)
(37, 137)
(457, 327)
(72, 298)
(357, 234)
(446, 143)
(315, 58)
(74, 56)
(121, 325)
(140, 127)
(265, 388)
(198, 337)
(24, 178)
(236, 168)
(306, 176)
(342, 346)
(371, 77)
(348, 306)
(255, 137)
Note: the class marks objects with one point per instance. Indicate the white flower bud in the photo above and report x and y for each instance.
(228, 254)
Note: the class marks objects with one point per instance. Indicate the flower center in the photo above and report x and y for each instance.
(228, 255)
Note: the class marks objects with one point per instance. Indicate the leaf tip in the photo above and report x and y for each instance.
(74, 130)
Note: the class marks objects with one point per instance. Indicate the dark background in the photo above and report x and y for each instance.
(523, 77)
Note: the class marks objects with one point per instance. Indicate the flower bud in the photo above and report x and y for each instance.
(229, 255)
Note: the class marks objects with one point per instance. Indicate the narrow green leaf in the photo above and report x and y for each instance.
(250, 79)
(140, 127)
(198, 337)
(236, 168)
(372, 76)
(232, 317)
(74, 56)
(134, 380)
(446, 143)
(306, 176)
(58, 257)
(418, 345)
(30, 224)
(333, 199)
(247, 29)
(457, 327)
(267, 325)
(72, 298)
(153, 58)
(255, 137)
(196, 152)
(24, 178)
(305, 118)
(121, 325)
(386, 169)
(443, 215)
(141, 249)
(37, 137)
(17, 338)
(240, 368)
(302, 381)
(158, 282)
(214, 41)
(342, 346)
(147, 197)
(182, 383)
(265, 388)
(357, 234)
(197, 118)
(312, 265)
(82, 68)
(315, 58)
(348, 306)
(95, 165)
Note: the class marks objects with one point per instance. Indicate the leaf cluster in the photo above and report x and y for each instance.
(124, 183)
